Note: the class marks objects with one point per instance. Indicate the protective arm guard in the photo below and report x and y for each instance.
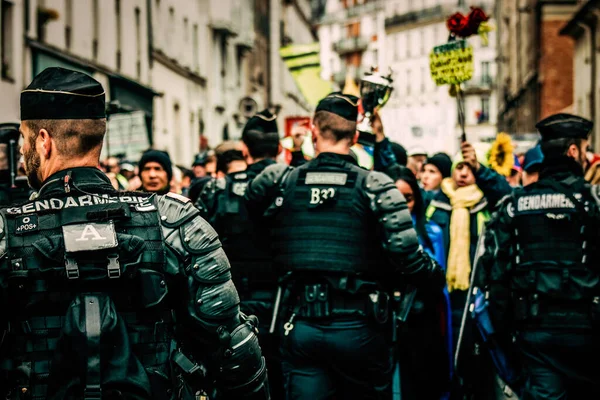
(264, 188)
(209, 304)
(399, 238)
(496, 264)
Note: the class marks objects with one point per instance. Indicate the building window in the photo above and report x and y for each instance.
(195, 49)
(186, 34)
(353, 30)
(171, 36)
(6, 40)
(158, 25)
(423, 79)
(408, 45)
(486, 78)
(138, 42)
(422, 42)
(408, 77)
(484, 114)
(68, 22)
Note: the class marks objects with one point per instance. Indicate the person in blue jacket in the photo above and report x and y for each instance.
(426, 367)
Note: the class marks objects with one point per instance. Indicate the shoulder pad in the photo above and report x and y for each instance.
(198, 236)
(215, 184)
(275, 172)
(175, 211)
(378, 181)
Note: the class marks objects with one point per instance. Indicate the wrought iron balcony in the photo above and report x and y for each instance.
(351, 45)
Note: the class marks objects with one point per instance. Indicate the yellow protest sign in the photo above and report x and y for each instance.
(451, 63)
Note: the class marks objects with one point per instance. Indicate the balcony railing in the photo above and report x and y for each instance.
(479, 84)
(352, 12)
(436, 12)
(351, 45)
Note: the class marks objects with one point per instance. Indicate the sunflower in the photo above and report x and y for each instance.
(501, 154)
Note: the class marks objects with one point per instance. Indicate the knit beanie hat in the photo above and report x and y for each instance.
(161, 157)
(442, 162)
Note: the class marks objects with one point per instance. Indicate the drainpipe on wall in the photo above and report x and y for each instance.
(593, 74)
(150, 33)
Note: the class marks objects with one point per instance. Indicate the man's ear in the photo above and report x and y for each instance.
(46, 142)
(245, 151)
(573, 152)
(279, 149)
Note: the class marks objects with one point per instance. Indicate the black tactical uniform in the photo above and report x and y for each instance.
(108, 295)
(221, 202)
(542, 275)
(342, 232)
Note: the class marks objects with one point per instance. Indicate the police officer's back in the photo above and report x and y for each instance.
(542, 271)
(108, 295)
(341, 231)
(222, 203)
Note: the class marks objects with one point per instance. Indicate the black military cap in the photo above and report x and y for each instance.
(344, 105)
(567, 126)
(58, 93)
(263, 121)
(200, 159)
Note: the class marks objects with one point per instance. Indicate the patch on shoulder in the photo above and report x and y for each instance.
(89, 237)
(178, 197)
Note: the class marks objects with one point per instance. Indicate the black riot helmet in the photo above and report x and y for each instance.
(9, 152)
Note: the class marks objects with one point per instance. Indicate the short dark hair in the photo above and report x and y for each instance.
(557, 148)
(74, 137)
(334, 127)
(227, 157)
(261, 144)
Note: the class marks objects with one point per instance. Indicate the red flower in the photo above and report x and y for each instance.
(475, 18)
(457, 24)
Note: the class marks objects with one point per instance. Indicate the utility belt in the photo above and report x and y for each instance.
(319, 301)
(533, 311)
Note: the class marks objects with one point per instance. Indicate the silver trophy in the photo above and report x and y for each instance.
(375, 91)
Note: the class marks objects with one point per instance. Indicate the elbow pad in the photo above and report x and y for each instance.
(243, 372)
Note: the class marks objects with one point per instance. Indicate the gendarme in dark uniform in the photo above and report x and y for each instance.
(222, 204)
(343, 232)
(108, 295)
(541, 269)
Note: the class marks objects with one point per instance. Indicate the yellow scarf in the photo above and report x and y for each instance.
(459, 258)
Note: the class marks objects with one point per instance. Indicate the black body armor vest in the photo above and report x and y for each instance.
(323, 222)
(554, 280)
(79, 268)
(245, 244)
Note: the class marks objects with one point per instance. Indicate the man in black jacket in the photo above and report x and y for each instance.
(222, 204)
(108, 295)
(541, 268)
(345, 234)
